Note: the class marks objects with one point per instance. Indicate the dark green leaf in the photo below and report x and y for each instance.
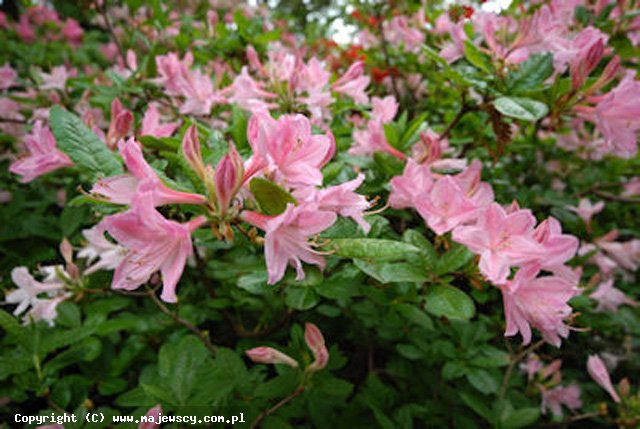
(450, 302)
(521, 108)
(271, 198)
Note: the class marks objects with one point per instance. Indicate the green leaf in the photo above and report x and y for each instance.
(448, 301)
(371, 248)
(454, 259)
(391, 272)
(84, 148)
(476, 57)
(523, 417)
(482, 380)
(531, 73)
(412, 129)
(521, 108)
(301, 298)
(178, 365)
(415, 315)
(391, 134)
(271, 198)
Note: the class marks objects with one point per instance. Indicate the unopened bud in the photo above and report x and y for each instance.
(315, 342)
(228, 178)
(271, 356)
(191, 151)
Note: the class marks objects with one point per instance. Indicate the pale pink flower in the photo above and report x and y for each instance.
(44, 156)
(398, 32)
(270, 355)
(7, 76)
(45, 309)
(120, 125)
(25, 30)
(57, 79)
(384, 109)
(609, 298)
(72, 31)
(315, 341)
(151, 124)
(502, 240)
(353, 83)
(152, 418)
(286, 149)
(97, 247)
(286, 238)
(558, 247)
(598, 371)
(625, 254)
(632, 187)
(122, 188)
(554, 399)
(373, 139)
(585, 210)
(29, 290)
(539, 302)
(249, 94)
(454, 50)
(415, 181)
(531, 366)
(228, 178)
(153, 243)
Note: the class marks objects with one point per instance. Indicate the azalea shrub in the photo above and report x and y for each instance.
(215, 208)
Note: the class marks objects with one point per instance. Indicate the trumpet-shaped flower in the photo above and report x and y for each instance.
(121, 189)
(539, 302)
(153, 244)
(286, 238)
(151, 125)
(553, 399)
(43, 157)
(108, 254)
(598, 371)
(609, 298)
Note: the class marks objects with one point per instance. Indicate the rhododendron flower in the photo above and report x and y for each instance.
(287, 150)
(110, 255)
(384, 109)
(7, 77)
(598, 371)
(539, 302)
(315, 341)
(502, 240)
(415, 181)
(249, 94)
(609, 298)
(120, 125)
(585, 210)
(559, 248)
(25, 30)
(153, 244)
(151, 124)
(286, 238)
(72, 31)
(271, 356)
(44, 156)
(454, 50)
(152, 417)
(553, 399)
(121, 189)
(228, 178)
(398, 32)
(353, 83)
(57, 79)
(373, 139)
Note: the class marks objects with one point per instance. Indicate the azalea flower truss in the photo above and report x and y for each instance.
(361, 214)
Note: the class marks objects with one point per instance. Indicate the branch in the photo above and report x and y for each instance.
(513, 363)
(464, 109)
(201, 335)
(276, 407)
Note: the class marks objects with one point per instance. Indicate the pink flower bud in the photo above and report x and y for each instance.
(354, 72)
(598, 371)
(270, 355)
(154, 413)
(254, 60)
(315, 342)
(191, 150)
(228, 178)
(121, 120)
(608, 74)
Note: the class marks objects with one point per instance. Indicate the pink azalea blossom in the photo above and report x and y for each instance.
(7, 77)
(585, 210)
(398, 32)
(151, 418)
(120, 125)
(539, 302)
(415, 181)
(353, 83)
(609, 298)
(454, 50)
(315, 341)
(270, 355)
(373, 139)
(286, 149)
(57, 79)
(249, 94)
(384, 109)
(286, 238)
(122, 188)
(72, 31)
(151, 124)
(502, 240)
(44, 156)
(559, 248)
(553, 399)
(598, 371)
(153, 244)
(25, 30)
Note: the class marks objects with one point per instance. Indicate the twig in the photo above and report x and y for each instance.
(201, 335)
(618, 198)
(464, 109)
(107, 21)
(276, 407)
(13, 120)
(513, 363)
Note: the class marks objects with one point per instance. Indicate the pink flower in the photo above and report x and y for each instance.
(502, 240)
(57, 79)
(151, 124)
(609, 298)
(399, 33)
(286, 238)
(228, 178)
(598, 371)
(120, 125)
(559, 248)
(72, 31)
(586, 210)
(249, 94)
(153, 243)
(9, 109)
(43, 157)
(121, 189)
(539, 302)
(25, 30)
(315, 341)
(151, 420)
(415, 181)
(553, 399)
(454, 50)
(7, 76)
(373, 139)
(384, 109)
(287, 150)
(353, 83)
(271, 356)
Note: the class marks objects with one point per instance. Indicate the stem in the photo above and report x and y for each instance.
(107, 21)
(464, 109)
(276, 407)
(12, 120)
(201, 335)
(512, 365)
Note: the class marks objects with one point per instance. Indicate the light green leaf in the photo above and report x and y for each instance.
(450, 302)
(271, 198)
(521, 108)
(476, 57)
(531, 73)
(371, 248)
